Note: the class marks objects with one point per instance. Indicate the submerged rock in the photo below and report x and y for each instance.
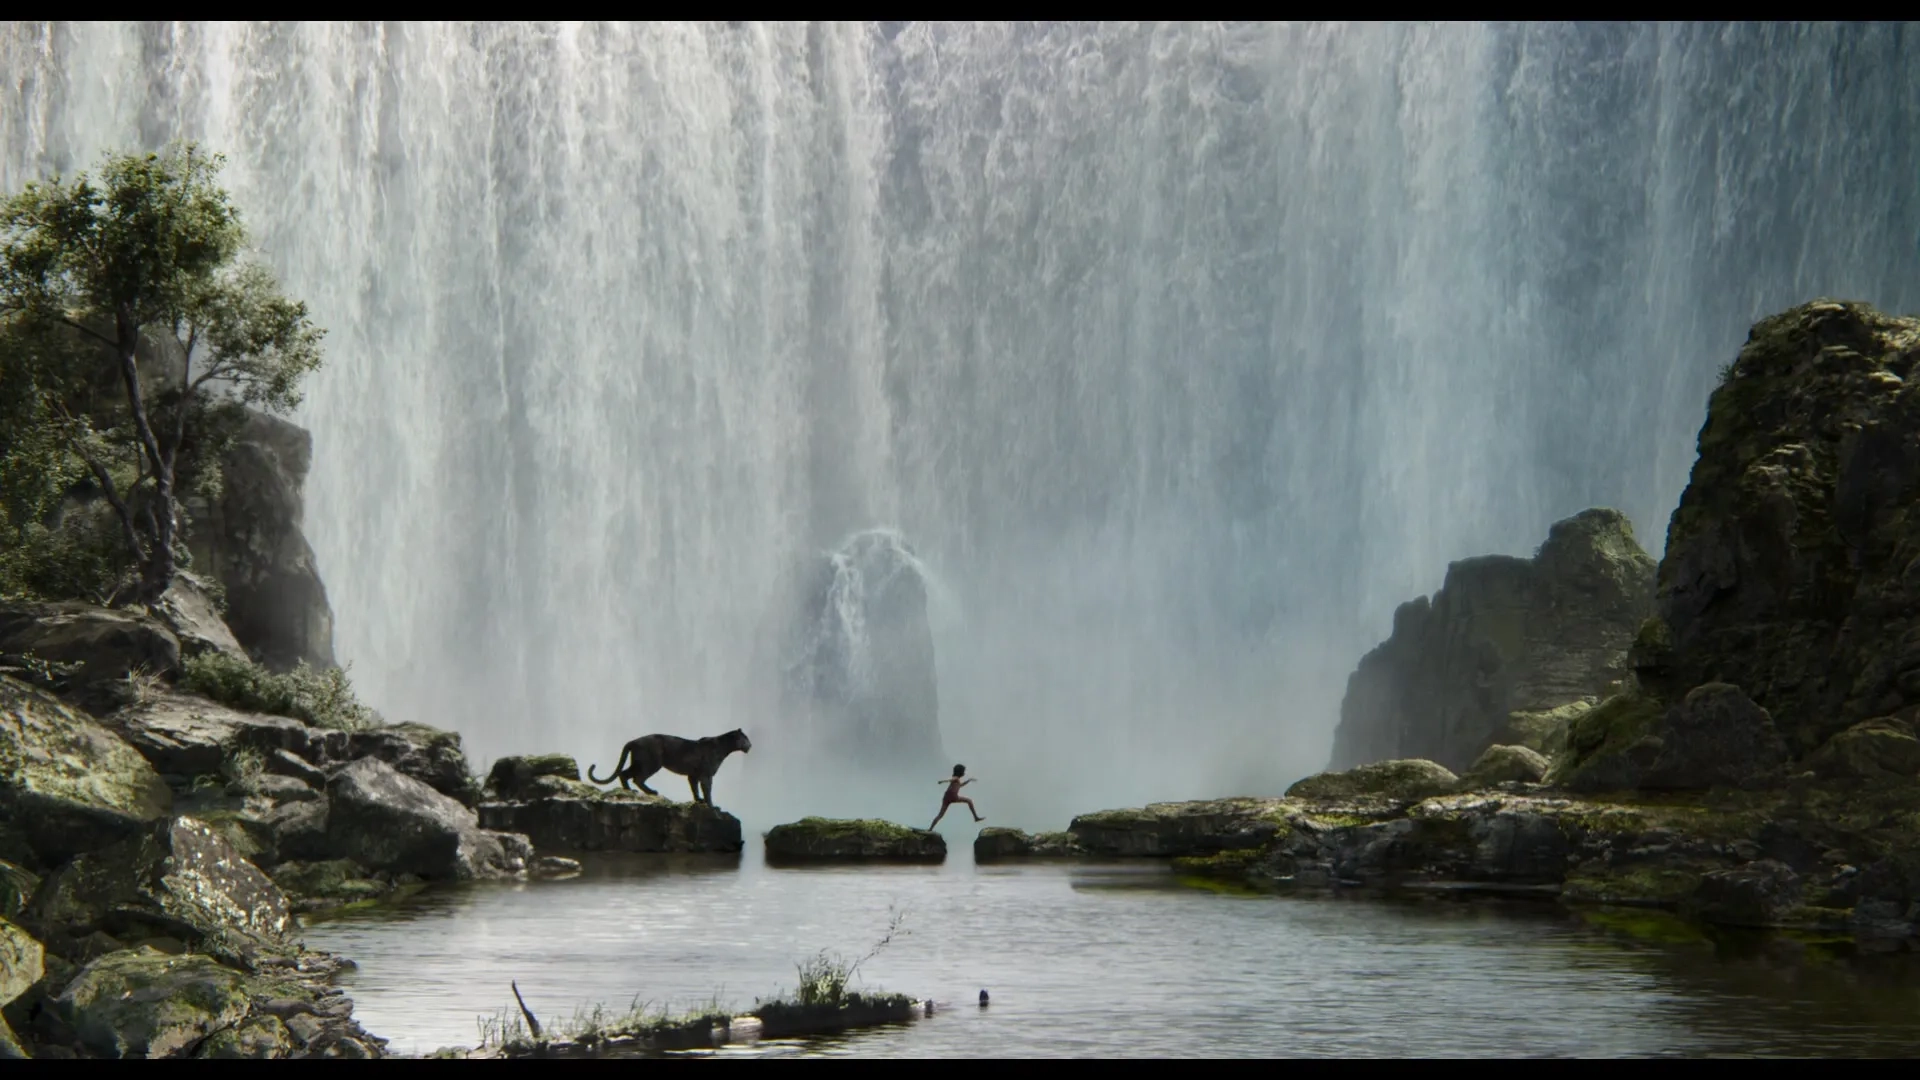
(1000, 843)
(385, 820)
(1408, 781)
(180, 880)
(1760, 893)
(827, 838)
(68, 784)
(1184, 828)
(561, 814)
(1501, 635)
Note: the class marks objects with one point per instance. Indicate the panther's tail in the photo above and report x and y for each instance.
(619, 766)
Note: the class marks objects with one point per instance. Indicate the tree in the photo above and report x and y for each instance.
(149, 264)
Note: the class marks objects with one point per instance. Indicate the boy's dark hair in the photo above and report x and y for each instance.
(959, 770)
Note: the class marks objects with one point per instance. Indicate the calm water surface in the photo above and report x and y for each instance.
(1114, 961)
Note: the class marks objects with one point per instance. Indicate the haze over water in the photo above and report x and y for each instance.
(1181, 354)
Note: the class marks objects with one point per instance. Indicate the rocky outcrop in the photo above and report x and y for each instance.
(1164, 830)
(187, 609)
(860, 671)
(514, 777)
(1506, 765)
(1715, 736)
(83, 652)
(1409, 780)
(1000, 843)
(826, 838)
(430, 755)
(562, 814)
(1501, 635)
(385, 820)
(185, 736)
(250, 541)
(67, 784)
(180, 881)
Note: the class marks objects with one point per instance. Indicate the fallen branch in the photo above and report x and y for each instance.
(533, 1025)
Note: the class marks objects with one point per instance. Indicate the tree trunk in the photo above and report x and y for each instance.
(157, 575)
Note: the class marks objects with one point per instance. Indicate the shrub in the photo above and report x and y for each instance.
(321, 698)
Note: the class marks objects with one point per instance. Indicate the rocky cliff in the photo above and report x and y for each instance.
(1793, 560)
(1502, 634)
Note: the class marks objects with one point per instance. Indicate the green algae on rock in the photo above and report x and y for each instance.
(829, 838)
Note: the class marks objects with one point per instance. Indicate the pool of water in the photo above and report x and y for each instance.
(1114, 960)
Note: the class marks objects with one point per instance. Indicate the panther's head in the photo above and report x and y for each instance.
(739, 740)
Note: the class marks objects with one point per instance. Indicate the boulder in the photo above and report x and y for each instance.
(1161, 830)
(1001, 843)
(317, 886)
(85, 652)
(180, 880)
(67, 784)
(1505, 765)
(1792, 568)
(386, 820)
(1759, 893)
(826, 838)
(509, 777)
(1544, 731)
(561, 814)
(429, 755)
(250, 541)
(1716, 736)
(188, 610)
(1502, 634)
(1405, 781)
(144, 1003)
(185, 735)
(1877, 749)
(17, 886)
(22, 961)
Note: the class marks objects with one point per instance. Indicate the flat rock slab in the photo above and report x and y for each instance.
(1002, 843)
(1165, 830)
(879, 841)
(186, 735)
(559, 814)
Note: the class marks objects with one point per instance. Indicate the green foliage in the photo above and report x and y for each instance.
(823, 978)
(133, 326)
(321, 698)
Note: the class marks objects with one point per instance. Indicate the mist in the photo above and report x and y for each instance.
(1181, 354)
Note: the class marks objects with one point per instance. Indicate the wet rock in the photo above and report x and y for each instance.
(429, 755)
(1878, 749)
(1408, 781)
(561, 814)
(180, 880)
(67, 784)
(1787, 562)
(318, 886)
(1504, 765)
(250, 541)
(188, 611)
(1716, 736)
(1760, 893)
(1185, 828)
(186, 735)
(93, 649)
(22, 961)
(510, 776)
(826, 838)
(1501, 635)
(260, 1038)
(554, 866)
(17, 885)
(386, 820)
(143, 1003)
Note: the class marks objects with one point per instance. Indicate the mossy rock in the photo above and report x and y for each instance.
(1404, 780)
(1166, 830)
(1882, 748)
(510, 775)
(318, 886)
(1544, 732)
(1505, 765)
(143, 1003)
(1601, 742)
(1226, 864)
(67, 783)
(829, 838)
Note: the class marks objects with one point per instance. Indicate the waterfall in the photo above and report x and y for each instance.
(1181, 352)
